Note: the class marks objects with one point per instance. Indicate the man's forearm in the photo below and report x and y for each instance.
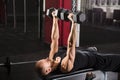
(54, 27)
(51, 55)
(72, 35)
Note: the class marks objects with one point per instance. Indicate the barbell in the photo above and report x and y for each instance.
(62, 14)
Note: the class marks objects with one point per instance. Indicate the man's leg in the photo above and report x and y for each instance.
(92, 49)
(108, 62)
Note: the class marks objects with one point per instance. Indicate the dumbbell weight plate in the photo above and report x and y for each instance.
(79, 17)
(58, 12)
(82, 17)
(49, 12)
(64, 14)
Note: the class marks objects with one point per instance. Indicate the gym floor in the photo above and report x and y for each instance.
(24, 47)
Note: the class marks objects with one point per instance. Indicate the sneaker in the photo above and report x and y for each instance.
(92, 48)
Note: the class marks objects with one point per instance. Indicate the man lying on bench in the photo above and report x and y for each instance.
(69, 60)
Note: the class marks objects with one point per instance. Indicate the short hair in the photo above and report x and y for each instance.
(39, 69)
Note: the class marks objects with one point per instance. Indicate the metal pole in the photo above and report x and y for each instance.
(44, 1)
(38, 18)
(14, 14)
(25, 28)
(74, 8)
(78, 25)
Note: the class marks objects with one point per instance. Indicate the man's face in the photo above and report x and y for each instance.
(46, 66)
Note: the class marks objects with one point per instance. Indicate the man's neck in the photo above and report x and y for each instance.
(54, 65)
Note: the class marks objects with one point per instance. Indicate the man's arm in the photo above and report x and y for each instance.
(54, 37)
(68, 61)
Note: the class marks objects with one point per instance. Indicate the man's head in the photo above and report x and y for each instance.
(43, 66)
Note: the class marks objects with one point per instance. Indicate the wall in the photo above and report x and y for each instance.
(2, 11)
(31, 7)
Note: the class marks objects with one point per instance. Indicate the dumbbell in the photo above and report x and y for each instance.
(78, 17)
(57, 12)
(60, 13)
(49, 12)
